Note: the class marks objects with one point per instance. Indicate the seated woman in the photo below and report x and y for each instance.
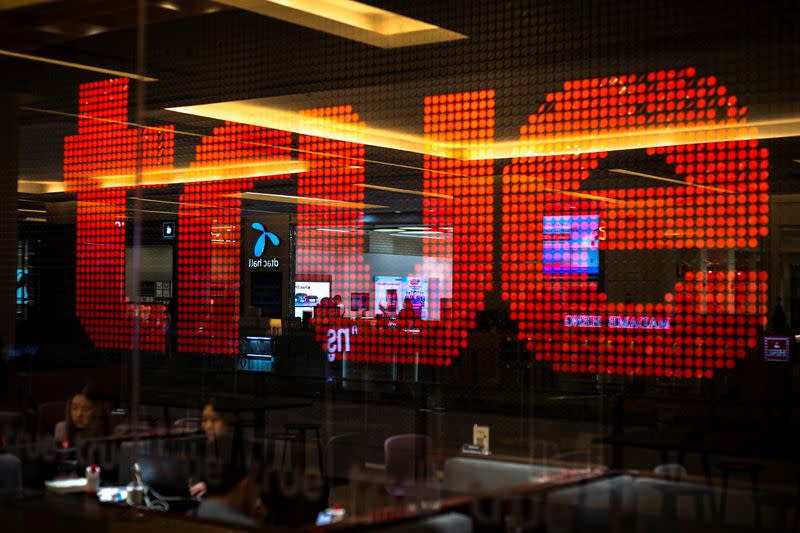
(221, 452)
(84, 418)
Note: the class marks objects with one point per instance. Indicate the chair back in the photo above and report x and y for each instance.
(408, 461)
(48, 415)
(10, 477)
(671, 470)
(12, 423)
(344, 453)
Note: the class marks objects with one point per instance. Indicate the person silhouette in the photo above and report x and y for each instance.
(778, 321)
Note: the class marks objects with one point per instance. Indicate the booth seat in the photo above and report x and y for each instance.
(443, 523)
(467, 475)
(652, 500)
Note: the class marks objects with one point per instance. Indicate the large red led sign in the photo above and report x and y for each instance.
(209, 219)
(716, 198)
(462, 206)
(709, 319)
(104, 146)
(209, 239)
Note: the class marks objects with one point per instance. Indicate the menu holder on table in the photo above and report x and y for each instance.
(474, 449)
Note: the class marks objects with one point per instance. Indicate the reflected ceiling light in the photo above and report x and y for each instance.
(80, 66)
(130, 209)
(404, 191)
(14, 4)
(588, 196)
(670, 180)
(305, 200)
(333, 230)
(387, 230)
(194, 204)
(417, 236)
(262, 112)
(39, 187)
(169, 5)
(171, 176)
(34, 219)
(351, 20)
(635, 139)
(93, 30)
(31, 210)
(258, 113)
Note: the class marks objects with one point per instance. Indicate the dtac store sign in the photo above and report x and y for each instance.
(267, 245)
(265, 259)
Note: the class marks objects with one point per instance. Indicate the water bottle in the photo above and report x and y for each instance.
(92, 479)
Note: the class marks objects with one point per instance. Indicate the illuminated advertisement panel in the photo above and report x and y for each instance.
(391, 293)
(308, 294)
(571, 244)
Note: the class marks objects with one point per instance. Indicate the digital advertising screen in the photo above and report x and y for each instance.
(417, 290)
(777, 348)
(359, 301)
(391, 292)
(307, 294)
(571, 244)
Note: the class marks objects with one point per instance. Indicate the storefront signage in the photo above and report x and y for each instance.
(339, 340)
(617, 321)
(261, 245)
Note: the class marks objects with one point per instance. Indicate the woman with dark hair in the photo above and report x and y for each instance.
(222, 451)
(84, 418)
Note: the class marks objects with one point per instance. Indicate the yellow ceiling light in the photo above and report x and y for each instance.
(14, 4)
(669, 180)
(259, 113)
(305, 200)
(634, 139)
(80, 66)
(174, 176)
(268, 113)
(404, 191)
(39, 187)
(351, 20)
(170, 176)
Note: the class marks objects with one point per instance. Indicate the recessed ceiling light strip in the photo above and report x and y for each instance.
(80, 66)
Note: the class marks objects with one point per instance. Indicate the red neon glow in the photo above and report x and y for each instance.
(209, 239)
(467, 217)
(714, 315)
(208, 235)
(105, 146)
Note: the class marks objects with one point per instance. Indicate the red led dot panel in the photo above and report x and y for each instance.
(106, 146)
(466, 217)
(209, 239)
(713, 316)
(330, 238)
